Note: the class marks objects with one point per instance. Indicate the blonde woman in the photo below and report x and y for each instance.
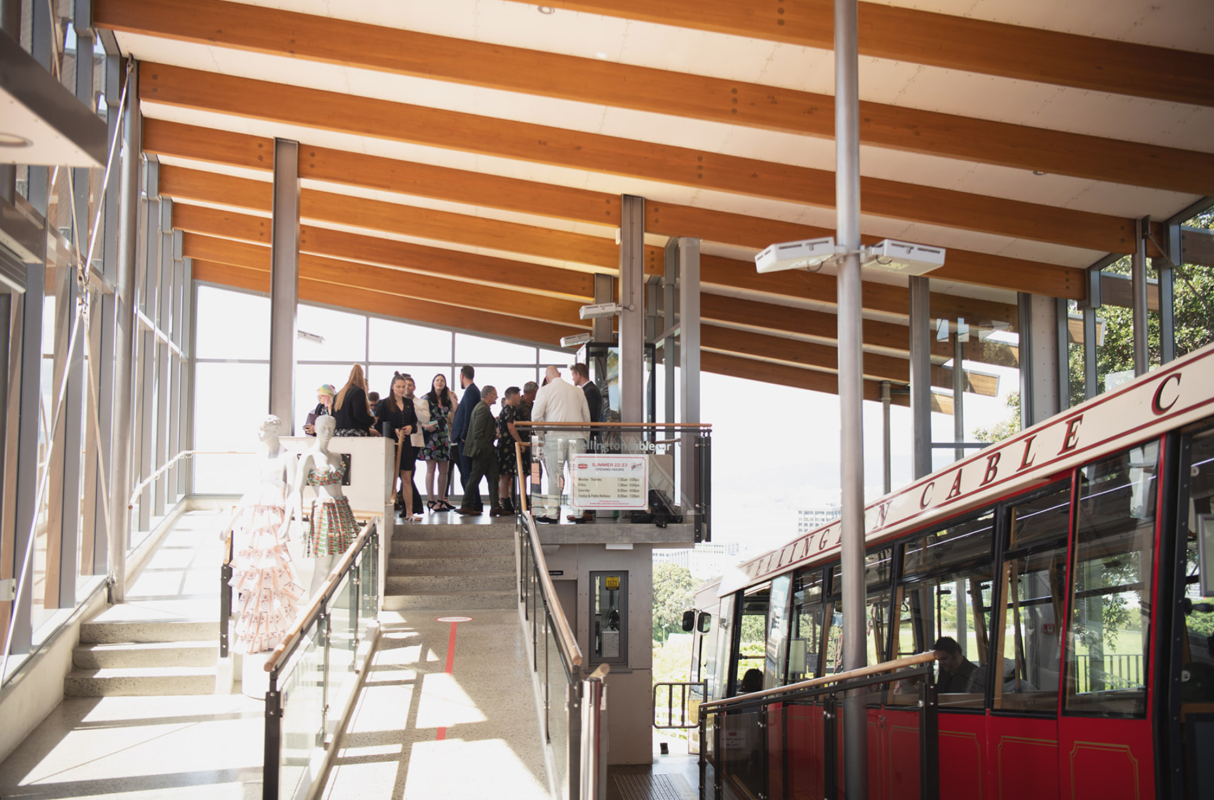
(350, 410)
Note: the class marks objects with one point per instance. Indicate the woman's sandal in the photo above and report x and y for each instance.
(432, 506)
(443, 505)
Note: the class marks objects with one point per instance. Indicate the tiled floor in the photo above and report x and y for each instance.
(484, 712)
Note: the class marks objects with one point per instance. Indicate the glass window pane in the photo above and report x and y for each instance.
(220, 424)
(962, 543)
(232, 324)
(808, 617)
(1032, 587)
(477, 350)
(393, 341)
(1109, 637)
(752, 642)
(501, 378)
(344, 334)
(1197, 643)
(777, 633)
(309, 378)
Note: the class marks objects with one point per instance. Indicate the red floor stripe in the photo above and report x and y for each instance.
(442, 732)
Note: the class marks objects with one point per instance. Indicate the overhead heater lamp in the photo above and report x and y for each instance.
(806, 254)
(903, 258)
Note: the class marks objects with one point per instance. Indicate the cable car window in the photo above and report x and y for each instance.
(948, 609)
(1032, 590)
(876, 614)
(1109, 633)
(752, 640)
(808, 620)
(1195, 661)
(777, 633)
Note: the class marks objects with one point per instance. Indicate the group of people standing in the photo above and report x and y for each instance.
(440, 427)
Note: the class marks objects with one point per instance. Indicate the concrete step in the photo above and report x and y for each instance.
(451, 582)
(140, 681)
(417, 533)
(451, 547)
(150, 631)
(430, 565)
(146, 654)
(451, 601)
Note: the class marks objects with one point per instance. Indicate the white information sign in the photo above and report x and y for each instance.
(616, 481)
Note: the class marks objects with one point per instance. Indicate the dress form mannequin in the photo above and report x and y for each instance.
(331, 528)
(263, 574)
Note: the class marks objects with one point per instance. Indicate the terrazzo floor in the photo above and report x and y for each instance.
(418, 732)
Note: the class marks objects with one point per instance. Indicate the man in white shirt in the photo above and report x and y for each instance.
(559, 401)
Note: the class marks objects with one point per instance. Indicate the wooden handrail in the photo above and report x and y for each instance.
(289, 639)
(518, 455)
(873, 669)
(647, 425)
(564, 634)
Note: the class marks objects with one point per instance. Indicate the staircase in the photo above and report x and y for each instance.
(452, 566)
(144, 658)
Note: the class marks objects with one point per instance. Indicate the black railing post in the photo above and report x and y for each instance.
(765, 744)
(225, 602)
(717, 781)
(830, 759)
(703, 754)
(273, 743)
(702, 491)
(929, 754)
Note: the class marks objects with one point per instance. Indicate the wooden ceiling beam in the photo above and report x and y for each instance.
(798, 351)
(943, 40)
(668, 219)
(362, 116)
(542, 334)
(587, 80)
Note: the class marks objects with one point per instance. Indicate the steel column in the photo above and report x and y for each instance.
(164, 293)
(185, 481)
(1138, 286)
(10, 23)
(958, 395)
(26, 468)
(1024, 324)
(63, 481)
(689, 364)
(851, 384)
(886, 440)
(670, 347)
(1039, 368)
(604, 292)
(41, 28)
(632, 305)
(1090, 306)
(175, 401)
(920, 376)
(1167, 294)
(284, 282)
(1062, 355)
(124, 338)
(145, 407)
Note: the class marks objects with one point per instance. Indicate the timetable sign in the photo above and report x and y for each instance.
(614, 481)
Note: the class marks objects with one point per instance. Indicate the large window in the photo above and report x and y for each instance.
(1109, 636)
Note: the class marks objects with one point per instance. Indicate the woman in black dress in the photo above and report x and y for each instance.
(399, 418)
(350, 410)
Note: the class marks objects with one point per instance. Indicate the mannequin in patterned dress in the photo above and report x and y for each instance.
(263, 574)
(331, 529)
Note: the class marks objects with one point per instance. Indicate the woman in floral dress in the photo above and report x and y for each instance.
(441, 403)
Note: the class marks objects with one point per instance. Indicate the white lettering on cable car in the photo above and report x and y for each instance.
(1167, 398)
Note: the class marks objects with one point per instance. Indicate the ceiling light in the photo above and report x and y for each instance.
(13, 140)
(1038, 172)
(904, 258)
(545, 9)
(599, 310)
(808, 253)
(576, 340)
(600, 55)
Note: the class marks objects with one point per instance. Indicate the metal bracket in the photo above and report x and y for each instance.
(8, 590)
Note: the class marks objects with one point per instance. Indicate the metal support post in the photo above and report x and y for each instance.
(920, 376)
(1024, 325)
(26, 467)
(164, 293)
(63, 495)
(284, 282)
(42, 27)
(670, 346)
(887, 453)
(929, 740)
(958, 395)
(1039, 353)
(176, 313)
(185, 481)
(272, 757)
(1167, 294)
(830, 747)
(851, 383)
(1090, 306)
(124, 339)
(10, 23)
(1062, 343)
(604, 292)
(632, 305)
(689, 364)
(145, 407)
(1138, 286)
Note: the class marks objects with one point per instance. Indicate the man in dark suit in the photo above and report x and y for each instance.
(594, 402)
(463, 416)
(482, 431)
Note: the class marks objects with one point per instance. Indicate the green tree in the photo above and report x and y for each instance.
(673, 593)
(1008, 427)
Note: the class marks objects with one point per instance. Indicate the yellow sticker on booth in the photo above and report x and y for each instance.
(612, 583)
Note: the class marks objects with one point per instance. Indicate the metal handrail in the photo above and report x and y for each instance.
(564, 636)
(292, 638)
(646, 425)
(838, 677)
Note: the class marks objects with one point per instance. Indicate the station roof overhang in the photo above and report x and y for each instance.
(462, 162)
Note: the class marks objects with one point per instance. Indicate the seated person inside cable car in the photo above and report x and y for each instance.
(957, 674)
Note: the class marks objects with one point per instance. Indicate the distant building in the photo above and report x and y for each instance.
(706, 560)
(810, 518)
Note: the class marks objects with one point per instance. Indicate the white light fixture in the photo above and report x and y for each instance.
(310, 337)
(599, 310)
(13, 140)
(576, 340)
(903, 258)
(805, 254)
